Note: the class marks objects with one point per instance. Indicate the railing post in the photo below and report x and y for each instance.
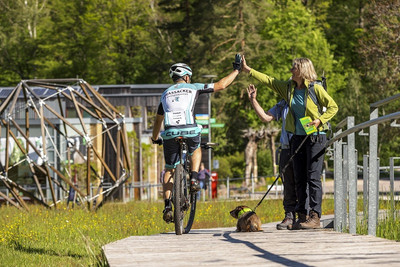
(352, 164)
(365, 185)
(373, 186)
(391, 171)
(338, 184)
(345, 172)
(378, 176)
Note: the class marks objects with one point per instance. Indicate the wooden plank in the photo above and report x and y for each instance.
(225, 247)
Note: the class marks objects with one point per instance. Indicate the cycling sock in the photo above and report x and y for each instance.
(193, 175)
(167, 202)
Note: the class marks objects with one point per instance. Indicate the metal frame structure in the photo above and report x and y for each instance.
(106, 154)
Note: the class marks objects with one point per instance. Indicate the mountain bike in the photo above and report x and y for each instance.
(183, 199)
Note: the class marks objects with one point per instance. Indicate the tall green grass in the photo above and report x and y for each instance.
(388, 226)
(74, 237)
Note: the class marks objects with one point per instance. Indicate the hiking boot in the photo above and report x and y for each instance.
(288, 220)
(194, 186)
(301, 219)
(313, 221)
(168, 215)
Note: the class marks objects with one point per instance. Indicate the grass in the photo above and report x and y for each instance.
(388, 226)
(74, 237)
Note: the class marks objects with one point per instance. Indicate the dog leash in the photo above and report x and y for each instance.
(280, 173)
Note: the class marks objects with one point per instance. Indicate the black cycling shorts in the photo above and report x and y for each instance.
(171, 150)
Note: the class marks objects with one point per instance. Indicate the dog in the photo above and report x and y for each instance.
(248, 221)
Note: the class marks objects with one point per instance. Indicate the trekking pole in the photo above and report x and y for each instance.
(281, 172)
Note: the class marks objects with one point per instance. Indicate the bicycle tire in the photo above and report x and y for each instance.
(193, 200)
(177, 199)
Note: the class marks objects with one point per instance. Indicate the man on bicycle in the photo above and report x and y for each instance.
(176, 109)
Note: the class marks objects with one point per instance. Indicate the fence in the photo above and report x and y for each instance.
(345, 169)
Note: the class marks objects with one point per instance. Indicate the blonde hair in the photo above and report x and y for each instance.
(306, 69)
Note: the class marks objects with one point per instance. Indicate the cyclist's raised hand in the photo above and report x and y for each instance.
(252, 92)
(159, 141)
(237, 64)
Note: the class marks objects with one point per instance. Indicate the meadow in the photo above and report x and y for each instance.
(74, 237)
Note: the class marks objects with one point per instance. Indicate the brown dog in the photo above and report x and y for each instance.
(248, 221)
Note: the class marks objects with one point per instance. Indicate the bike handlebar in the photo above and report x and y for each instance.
(209, 145)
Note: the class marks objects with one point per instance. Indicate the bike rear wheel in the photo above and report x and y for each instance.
(178, 199)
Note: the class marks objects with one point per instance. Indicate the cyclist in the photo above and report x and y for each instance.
(176, 109)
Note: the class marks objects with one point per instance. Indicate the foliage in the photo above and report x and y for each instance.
(230, 165)
(264, 161)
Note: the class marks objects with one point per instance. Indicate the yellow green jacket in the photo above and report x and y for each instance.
(285, 90)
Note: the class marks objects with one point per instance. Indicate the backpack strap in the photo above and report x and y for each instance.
(313, 96)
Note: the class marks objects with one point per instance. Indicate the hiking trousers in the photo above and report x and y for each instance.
(289, 186)
(307, 166)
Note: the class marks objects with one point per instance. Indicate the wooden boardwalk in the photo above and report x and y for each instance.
(225, 247)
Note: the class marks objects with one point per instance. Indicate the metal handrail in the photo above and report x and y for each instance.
(359, 127)
(385, 101)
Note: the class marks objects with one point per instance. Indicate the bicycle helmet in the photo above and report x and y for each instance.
(179, 70)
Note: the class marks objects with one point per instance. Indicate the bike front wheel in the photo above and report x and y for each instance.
(178, 199)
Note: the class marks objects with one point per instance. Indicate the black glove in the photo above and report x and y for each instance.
(237, 65)
(159, 141)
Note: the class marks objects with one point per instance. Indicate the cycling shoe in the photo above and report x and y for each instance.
(194, 186)
(168, 215)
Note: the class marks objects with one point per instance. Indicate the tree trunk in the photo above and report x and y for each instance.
(250, 155)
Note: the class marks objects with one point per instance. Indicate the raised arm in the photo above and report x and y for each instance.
(226, 81)
(252, 92)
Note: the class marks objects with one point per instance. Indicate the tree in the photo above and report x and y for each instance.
(19, 44)
(379, 53)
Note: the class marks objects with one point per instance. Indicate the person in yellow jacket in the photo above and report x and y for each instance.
(308, 161)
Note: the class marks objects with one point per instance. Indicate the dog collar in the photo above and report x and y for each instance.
(243, 211)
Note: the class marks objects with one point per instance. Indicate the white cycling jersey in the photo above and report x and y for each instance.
(177, 106)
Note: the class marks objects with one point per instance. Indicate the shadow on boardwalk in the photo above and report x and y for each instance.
(225, 247)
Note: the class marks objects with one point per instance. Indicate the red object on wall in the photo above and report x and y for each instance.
(214, 184)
